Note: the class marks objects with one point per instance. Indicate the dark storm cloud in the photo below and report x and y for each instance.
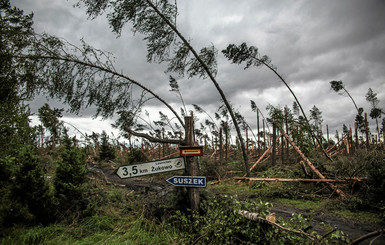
(310, 43)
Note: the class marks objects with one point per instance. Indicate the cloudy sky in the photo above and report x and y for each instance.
(310, 42)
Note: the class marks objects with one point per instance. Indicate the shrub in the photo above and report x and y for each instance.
(371, 193)
(69, 179)
(107, 152)
(26, 196)
(136, 156)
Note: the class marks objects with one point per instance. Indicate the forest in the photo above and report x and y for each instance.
(287, 181)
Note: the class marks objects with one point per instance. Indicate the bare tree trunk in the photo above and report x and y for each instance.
(367, 131)
(356, 134)
(259, 138)
(274, 144)
(264, 136)
(226, 140)
(287, 132)
(220, 147)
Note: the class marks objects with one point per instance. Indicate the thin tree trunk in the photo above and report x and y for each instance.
(367, 131)
(212, 78)
(274, 144)
(259, 138)
(220, 147)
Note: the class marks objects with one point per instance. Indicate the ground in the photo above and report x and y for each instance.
(319, 219)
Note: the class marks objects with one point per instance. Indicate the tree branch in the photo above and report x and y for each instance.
(153, 139)
(367, 236)
(65, 59)
(255, 217)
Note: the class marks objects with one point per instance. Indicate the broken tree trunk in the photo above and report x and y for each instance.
(312, 167)
(255, 217)
(297, 180)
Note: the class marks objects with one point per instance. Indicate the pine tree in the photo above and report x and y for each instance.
(69, 179)
(107, 152)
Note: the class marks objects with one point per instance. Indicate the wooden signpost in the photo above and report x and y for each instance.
(191, 169)
(185, 161)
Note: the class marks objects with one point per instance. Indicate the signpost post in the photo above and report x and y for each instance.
(156, 167)
(191, 169)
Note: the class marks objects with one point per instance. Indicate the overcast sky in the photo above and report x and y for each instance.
(310, 42)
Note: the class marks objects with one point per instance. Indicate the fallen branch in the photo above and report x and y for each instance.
(293, 180)
(255, 217)
(367, 236)
(153, 139)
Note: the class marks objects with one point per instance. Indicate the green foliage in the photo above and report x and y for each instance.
(371, 193)
(69, 179)
(25, 194)
(136, 156)
(30, 187)
(50, 120)
(107, 151)
(337, 86)
(243, 53)
(220, 223)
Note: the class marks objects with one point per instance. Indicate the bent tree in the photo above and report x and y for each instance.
(375, 112)
(251, 56)
(82, 77)
(339, 87)
(156, 21)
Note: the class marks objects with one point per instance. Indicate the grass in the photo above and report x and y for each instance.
(363, 216)
(311, 205)
(94, 230)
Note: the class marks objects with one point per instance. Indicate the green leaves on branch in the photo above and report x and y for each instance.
(337, 86)
(80, 76)
(182, 61)
(159, 29)
(243, 53)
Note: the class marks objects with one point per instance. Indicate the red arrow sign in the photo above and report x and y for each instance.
(189, 151)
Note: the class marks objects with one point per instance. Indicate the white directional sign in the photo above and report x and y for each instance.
(147, 168)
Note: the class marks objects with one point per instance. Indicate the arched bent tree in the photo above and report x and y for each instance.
(82, 77)
(157, 22)
(250, 55)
